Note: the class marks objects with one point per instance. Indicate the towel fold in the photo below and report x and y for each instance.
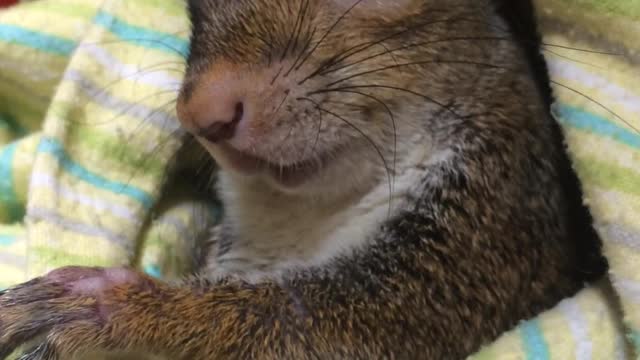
(88, 136)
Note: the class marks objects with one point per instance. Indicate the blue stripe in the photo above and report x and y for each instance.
(635, 338)
(8, 197)
(533, 341)
(143, 36)
(36, 40)
(6, 240)
(583, 120)
(51, 146)
(153, 270)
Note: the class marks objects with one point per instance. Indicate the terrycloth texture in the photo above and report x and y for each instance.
(598, 104)
(87, 119)
(87, 116)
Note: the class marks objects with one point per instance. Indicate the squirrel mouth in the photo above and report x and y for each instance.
(289, 175)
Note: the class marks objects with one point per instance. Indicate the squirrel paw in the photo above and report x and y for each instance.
(72, 308)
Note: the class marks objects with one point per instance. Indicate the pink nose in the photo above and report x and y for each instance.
(216, 104)
(223, 127)
(212, 112)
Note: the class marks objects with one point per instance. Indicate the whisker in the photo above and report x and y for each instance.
(277, 75)
(293, 33)
(304, 49)
(318, 133)
(331, 28)
(393, 123)
(363, 134)
(389, 87)
(356, 49)
(581, 50)
(142, 163)
(571, 59)
(142, 71)
(602, 106)
(141, 40)
(125, 111)
(268, 44)
(405, 47)
(281, 103)
(344, 103)
(303, 15)
(157, 110)
(448, 62)
(387, 50)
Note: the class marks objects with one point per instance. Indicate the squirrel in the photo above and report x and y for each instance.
(394, 186)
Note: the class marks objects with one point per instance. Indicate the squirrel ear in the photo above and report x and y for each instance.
(379, 8)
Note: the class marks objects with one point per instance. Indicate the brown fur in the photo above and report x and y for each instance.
(490, 237)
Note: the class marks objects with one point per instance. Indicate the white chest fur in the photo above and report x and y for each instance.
(275, 231)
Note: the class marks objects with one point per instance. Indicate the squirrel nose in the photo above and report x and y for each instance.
(222, 126)
(231, 102)
(214, 110)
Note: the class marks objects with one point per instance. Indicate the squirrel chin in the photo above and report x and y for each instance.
(286, 177)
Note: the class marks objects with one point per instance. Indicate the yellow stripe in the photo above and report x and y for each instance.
(610, 206)
(73, 210)
(130, 88)
(20, 102)
(10, 275)
(172, 20)
(617, 29)
(46, 195)
(624, 261)
(69, 248)
(152, 144)
(558, 335)
(23, 165)
(29, 86)
(68, 9)
(624, 264)
(70, 28)
(585, 144)
(596, 101)
(610, 65)
(600, 323)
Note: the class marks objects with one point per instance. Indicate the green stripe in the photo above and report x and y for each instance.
(20, 97)
(624, 8)
(37, 88)
(609, 176)
(635, 338)
(14, 127)
(121, 151)
(173, 7)
(142, 36)
(12, 99)
(8, 197)
(57, 150)
(58, 258)
(111, 147)
(29, 118)
(62, 8)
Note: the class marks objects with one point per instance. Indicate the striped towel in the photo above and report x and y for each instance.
(598, 95)
(87, 128)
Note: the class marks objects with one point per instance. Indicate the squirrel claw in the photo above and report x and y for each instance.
(68, 306)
